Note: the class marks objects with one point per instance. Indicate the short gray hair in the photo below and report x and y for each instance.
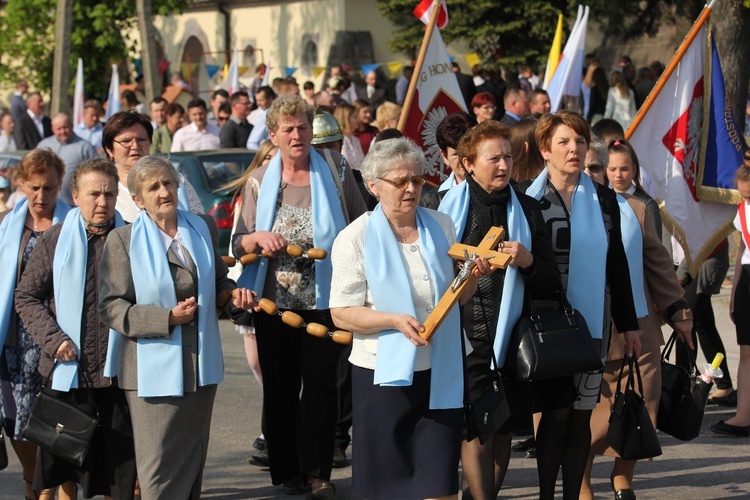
(385, 155)
(600, 150)
(147, 167)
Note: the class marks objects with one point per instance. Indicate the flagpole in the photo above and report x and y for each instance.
(418, 67)
(670, 69)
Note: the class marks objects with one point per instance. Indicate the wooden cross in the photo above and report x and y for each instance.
(486, 249)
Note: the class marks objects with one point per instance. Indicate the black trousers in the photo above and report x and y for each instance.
(299, 395)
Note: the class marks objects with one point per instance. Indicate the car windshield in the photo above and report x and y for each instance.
(220, 169)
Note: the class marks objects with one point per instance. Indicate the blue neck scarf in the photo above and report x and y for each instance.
(69, 283)
(456, 205)
(328, 221)
(11, 231)
(389, 285)
(160, 360)
(632, 240)
(587, 270)
(182, 198)
(447, 183)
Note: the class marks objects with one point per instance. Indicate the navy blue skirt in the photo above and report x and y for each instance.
(401, 448)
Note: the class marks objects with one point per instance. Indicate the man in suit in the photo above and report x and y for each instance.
(465, 83)
(371, 92)
(235, 132)
(32, 125)
(17, 104)
(516, 106)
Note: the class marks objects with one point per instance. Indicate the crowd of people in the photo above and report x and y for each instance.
(136, 340)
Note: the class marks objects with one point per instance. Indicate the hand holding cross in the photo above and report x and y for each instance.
(486, 249)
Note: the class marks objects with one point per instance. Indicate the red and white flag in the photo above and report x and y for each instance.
(668, 142)
(424, 10)
(437, 95)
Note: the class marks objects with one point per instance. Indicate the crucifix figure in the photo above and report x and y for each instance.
(468, 254)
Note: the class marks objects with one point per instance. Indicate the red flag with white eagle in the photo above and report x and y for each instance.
(671, 135)
(424, 10)
(436, 94)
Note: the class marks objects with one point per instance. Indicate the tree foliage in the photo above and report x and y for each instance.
(510, 32)
(96, 38)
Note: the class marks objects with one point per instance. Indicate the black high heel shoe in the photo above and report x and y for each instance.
(626, 494)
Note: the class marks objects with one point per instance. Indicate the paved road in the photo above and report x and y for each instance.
(706, 468)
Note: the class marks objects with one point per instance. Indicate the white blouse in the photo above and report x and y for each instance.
(349, 285)
(130, 211)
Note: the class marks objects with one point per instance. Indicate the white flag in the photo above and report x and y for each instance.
(113, 98)
(232, 82)
(78, 97)
(568, 76)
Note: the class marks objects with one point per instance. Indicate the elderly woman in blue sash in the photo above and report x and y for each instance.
(158, 285)
(39, 176)
(57, 300)
(298, 198)
(390, 268)
(486, 199)
(126, 138)
(657, 294)
(583, 219)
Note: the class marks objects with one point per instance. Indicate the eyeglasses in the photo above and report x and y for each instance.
(489, 107)
(594, 168)
(129, 143)
(402, 182)
(243, 103)
(222, 118)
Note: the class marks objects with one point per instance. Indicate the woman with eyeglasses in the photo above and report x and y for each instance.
(126, 138)
(483, 106)
(390, 268)
(484, 200)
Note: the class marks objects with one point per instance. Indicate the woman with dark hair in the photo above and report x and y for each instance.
(584, 222)
(599, 92)
(57, 299)
(527, 159)
(364, 131)
(486, 199)
(126, 139)
(483, 105)
(39, 177)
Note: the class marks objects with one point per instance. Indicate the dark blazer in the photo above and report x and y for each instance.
(378, 97)
(234, 135)
(468, 89)
(26, 134)
(508, 120)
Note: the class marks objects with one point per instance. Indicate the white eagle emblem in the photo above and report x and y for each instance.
(429, 143)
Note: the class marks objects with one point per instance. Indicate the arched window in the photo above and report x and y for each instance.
(192, 55)
(309, 52)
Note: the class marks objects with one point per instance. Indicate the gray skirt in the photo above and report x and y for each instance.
(171, 441)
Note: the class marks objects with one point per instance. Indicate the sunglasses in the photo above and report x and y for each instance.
(402, 182)
(594, 168)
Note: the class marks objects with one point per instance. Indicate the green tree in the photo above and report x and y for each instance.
(97, 38)
(507, 32)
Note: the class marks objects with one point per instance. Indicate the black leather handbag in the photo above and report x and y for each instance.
(486, 414)
(59, 427)
(683, 396)
(549, 342)
(631, 433)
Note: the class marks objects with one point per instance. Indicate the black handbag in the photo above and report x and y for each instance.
(486, 414)
(59, 427)
(631, 433)
(549, 342)
(683, 396)
(3, 450)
